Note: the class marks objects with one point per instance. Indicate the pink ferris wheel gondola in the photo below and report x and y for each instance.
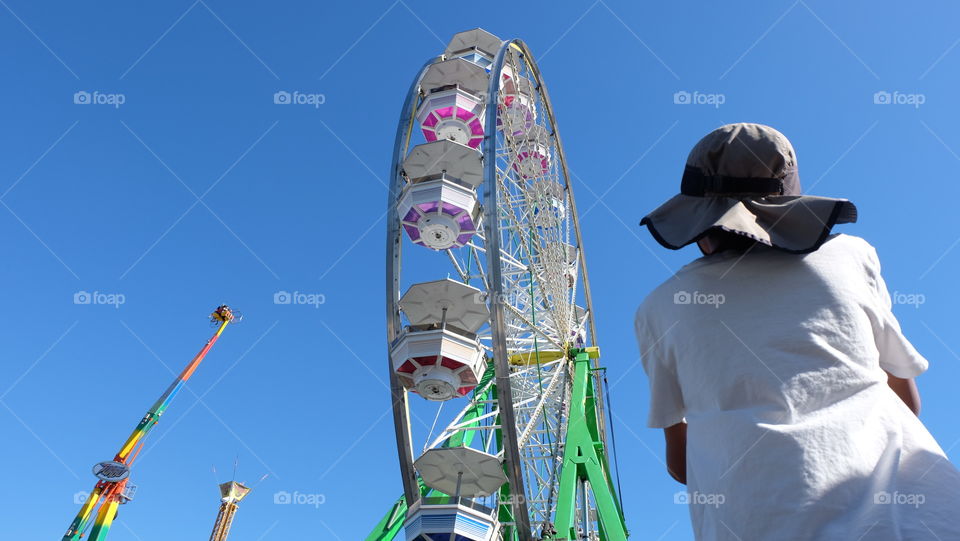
(532, 156)
(517, 114)
(453, 105)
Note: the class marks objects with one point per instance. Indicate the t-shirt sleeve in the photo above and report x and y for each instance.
(666, 400)
(897, 354)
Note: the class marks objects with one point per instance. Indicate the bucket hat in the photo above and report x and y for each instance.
(742, 178)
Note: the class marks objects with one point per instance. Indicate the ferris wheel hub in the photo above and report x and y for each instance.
(436, 383)
(453, 130)
(439, 231)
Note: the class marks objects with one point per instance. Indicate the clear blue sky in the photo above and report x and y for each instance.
(103, 198)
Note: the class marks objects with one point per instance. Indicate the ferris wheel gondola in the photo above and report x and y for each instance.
(509, 341)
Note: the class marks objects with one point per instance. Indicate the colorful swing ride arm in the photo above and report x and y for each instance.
(111, 490)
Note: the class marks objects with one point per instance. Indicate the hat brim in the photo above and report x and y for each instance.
(793, 223)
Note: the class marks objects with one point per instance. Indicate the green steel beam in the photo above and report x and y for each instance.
(392, 523)
(584, 459)
(504, 499)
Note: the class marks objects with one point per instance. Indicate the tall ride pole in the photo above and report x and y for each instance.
(112, 488)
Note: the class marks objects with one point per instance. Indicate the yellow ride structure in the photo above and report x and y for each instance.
(231, 494)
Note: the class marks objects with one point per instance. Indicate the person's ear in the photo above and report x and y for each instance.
(707, 245)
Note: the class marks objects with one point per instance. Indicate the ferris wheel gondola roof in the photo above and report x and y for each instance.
(479, 473)
(456, 71)
(466, 309)
(448, 157)
(478, 38)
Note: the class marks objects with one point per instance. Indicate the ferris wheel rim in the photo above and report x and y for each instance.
(398, 395)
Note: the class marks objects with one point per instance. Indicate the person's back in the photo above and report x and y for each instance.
(792, 431)
(773, 368)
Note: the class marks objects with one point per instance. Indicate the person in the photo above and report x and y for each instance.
(777, 370)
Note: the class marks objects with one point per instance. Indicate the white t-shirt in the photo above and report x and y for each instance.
(776, 362)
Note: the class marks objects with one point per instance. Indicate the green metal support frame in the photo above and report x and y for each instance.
(584, 459)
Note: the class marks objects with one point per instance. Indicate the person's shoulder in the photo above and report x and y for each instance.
(847, 240)
(658, 301)
(851, 245)
(851, 252)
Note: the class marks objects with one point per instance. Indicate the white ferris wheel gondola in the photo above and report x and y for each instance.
(439, 355)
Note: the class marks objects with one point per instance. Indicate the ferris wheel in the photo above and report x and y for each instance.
(497, 395)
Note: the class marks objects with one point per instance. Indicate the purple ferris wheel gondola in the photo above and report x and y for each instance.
(439, 208)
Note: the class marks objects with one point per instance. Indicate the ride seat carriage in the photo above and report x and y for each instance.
(517, 112)
(456, 471)
(438, 518)
(438, 355)
(532, 156)
(453, 102)
(438, 206)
